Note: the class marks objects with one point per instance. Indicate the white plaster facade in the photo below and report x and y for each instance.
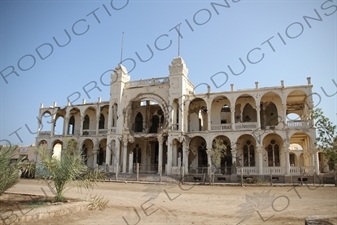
(162, 125)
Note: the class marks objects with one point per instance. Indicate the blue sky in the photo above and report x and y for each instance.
(214, 38)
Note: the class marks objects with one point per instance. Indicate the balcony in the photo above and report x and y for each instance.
(221, 126)
(246, 126)
(44, 134)
(89, 132)
(102, 131)
(298, 124)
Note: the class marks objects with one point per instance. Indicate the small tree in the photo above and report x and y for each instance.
(326, 136)
(217, 152)
(69, 168)
(9, 172)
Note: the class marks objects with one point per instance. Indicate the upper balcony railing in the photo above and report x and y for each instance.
(148, 82)
(44, 134)
(221, 126)
(246, 126)
(298, 124)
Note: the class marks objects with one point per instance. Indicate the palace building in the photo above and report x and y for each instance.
(164, 126)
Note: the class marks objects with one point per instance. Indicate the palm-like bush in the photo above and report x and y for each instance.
(70, 168)
(9, 172)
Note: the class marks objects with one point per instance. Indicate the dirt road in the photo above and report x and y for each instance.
(178, 204)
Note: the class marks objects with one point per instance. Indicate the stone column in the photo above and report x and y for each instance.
(117, 152)
(209, 120)
(125, 150)
(108, 152)
(81, 125)
(97, 124)
(234, 152)
(316, 161)
(185, 157)
(287, 161)
(52, 126)
(160, 153)
(209, 162)
(131, 162)
(284, 108)
(65, 126)
(258, 117)
(95, 158)
(260, 161)
(233, 117)
(174, 153)
(39, 122)
(169, 156)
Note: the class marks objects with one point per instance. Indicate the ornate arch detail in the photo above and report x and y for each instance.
(149, 96)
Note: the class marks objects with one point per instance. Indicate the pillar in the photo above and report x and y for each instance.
(117, 152)
(316, 161)
(65, 126)
(185, 157)
(81, 125)
(95, 158)
(52, 126)
(160, 153)
(108, 152)
(39, 122)
(174, 152)
(125, 150)
(131, 162)
(258, 117)
(234, 152)
(169, 156)
(284, 108)
(260, 159)
(233, 117)
(209, 120)
(287, 161)
(97, 124)
(209, 162)
(110, 112)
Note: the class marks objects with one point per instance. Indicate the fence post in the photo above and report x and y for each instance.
(137, 171)
(241, 176)
(301, 175)
(213, 178)
(182, 174)
(210, 175)
(116, 171)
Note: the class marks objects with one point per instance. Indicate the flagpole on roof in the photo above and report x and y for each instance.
(122, 48)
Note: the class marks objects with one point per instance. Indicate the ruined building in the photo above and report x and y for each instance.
(164, 126)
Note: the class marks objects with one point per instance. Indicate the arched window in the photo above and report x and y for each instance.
(71, 126)
(155, 124)
(101, 122)
(248, 154)
(86, 122)
(225, 114)
(139, 123)
(202, 155)
(273, 150)
(249, 114)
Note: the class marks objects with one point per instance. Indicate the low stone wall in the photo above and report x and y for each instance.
(321, 220)
(45, 212)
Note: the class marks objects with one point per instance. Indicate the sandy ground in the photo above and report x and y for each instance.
(181, 204)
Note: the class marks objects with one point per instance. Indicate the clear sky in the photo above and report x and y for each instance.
(51, 66)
